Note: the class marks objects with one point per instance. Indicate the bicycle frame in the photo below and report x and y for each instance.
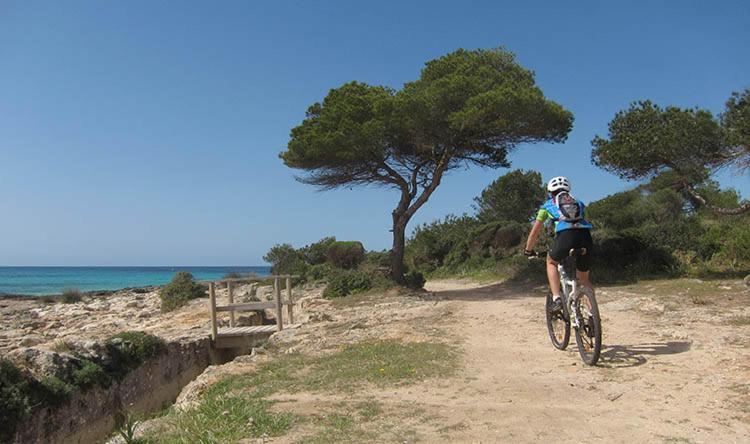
(569, 289)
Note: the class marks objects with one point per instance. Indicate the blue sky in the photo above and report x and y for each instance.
(148, 133)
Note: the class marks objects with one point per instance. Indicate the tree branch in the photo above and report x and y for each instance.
(719, 210)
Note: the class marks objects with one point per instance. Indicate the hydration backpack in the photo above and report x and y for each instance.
(568, 207)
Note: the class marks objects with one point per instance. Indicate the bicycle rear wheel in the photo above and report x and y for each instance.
(557, 326)
(589, 333)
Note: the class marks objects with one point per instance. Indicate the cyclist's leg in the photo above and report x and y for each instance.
(583, 263)
(553, 276)
(557, 253)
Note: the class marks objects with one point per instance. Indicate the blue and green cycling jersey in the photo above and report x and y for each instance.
(549, 211)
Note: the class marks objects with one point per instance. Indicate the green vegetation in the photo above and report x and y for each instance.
(15, 399)
(89, 374)
(691, 144)
(178, 292)
(235, 408)
(408, 139)
(345, 267)
(71, 296)
(342, 283)
(511, 198)
(650, 231)
(128, 350)
(346, 255)
(20, 393)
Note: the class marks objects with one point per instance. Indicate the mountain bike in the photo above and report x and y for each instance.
(580, 311)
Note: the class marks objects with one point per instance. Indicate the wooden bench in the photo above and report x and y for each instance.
(234, 336)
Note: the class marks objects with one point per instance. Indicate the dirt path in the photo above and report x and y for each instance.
(675, 368)
(662, 377)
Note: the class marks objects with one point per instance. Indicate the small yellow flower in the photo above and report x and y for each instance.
(382, 370)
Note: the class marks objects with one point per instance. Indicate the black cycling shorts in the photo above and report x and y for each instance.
(573, 238)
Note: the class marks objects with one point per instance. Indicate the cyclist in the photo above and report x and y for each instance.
(571, 231)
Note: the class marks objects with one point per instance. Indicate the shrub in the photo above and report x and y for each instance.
(89, 374)
(128, 350)
(347, 282)
(346, 255)
(378, 259)
(14, 399)
(284, 259)
(71, 296)
(51, 390)
(512, 197)
(178, 292)
(319, 272)
(317, 253)
(414, 280)
(432, 244)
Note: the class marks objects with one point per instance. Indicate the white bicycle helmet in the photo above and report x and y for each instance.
(557, 184)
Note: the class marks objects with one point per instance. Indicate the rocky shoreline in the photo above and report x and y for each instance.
(47, 338)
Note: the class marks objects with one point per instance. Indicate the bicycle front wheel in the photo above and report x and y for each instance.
(589, 332)
(558, 326)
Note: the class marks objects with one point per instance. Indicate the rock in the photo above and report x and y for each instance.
(32, 340)
(44, 362)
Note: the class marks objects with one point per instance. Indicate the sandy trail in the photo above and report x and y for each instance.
(658, 381)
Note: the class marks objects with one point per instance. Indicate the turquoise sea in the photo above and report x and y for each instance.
(53, 280)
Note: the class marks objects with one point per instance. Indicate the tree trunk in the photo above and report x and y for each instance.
(399, 244)
(697, 198)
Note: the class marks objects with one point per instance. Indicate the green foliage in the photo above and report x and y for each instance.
(89, 374)
(178, 292)
(736, 121)
(319, 272)
(52, 391)
(128, 350)
(71, 296)
(467, 107)
(14, 399)
(512, 197)
(692, 144)
(378, 259)
(346, 255)
(647, 139)
(285, 259)
(346, 282)
(317, 253)
(414, 280)
(431, 244)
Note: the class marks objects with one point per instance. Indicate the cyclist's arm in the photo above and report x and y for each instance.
(535, 230)
(541, 216)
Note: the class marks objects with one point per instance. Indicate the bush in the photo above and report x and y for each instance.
(511, 198)
(128, 350)
(319, 272)
(52, 391)
(317, 253)
(14, 399)
(414, 280)
(284, 259)
(346, 255)
(71, 296)
(347, 282)
(178, 292)
(90, 374)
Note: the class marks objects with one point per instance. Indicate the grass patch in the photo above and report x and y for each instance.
(380, 363)
(236, 408)
(223, 418)
(369, 410)
(339, 428)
